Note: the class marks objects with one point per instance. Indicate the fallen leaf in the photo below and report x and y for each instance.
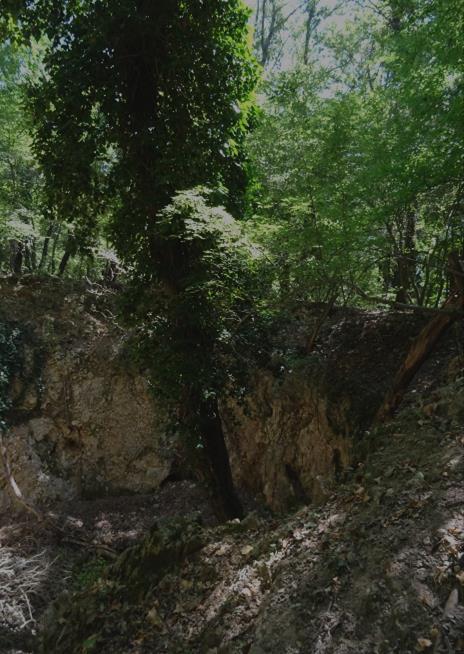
(460, 577)
(154, 618)
(222, 550)
(440, 574)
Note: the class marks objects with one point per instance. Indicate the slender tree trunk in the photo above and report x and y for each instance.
(34, 254)
(64, 262)
(28, 257)
(257, 16)
(311, 12)
(54, 247)
(402, 294)
(263, 31)
(46, 245)
(69, 251)
(16, 256)
(405, 256)
(426, 341)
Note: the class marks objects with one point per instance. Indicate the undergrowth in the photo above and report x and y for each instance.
(87, 573)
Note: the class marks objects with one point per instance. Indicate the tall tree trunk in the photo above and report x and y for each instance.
(257, 16)
(216, 450)
(64, 261)
(28, 257)
(16, 256)
(262, 35)
(406, 257)
(56, 237)
(311, 12)
(69, 251)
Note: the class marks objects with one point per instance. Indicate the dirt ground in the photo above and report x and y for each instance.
(378, 568)
(37, 563)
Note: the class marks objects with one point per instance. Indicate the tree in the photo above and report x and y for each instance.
(271, 18)
(422, 142)
(141, 100)
(20, 181)
(198, 322)
(359, 159)
(31, 238)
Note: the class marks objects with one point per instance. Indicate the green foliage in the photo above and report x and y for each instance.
(311, 212)
(88, 573)
(19, 177)
(139, 103)
(359, 159)
(116, 142)
(197, 320)
(30, 230)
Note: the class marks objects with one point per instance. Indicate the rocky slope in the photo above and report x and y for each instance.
(378, 568)
(370, 560)
(300, 423)
(84, 422)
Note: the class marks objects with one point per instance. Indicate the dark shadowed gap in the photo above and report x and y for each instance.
(218, 457)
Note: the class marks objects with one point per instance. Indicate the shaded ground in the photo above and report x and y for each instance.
(36, 564)
(377, 569)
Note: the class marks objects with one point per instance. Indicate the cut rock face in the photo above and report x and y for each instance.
(286, 442)
(107, 437)
(82, 423)
(85, 424)
(301, 422)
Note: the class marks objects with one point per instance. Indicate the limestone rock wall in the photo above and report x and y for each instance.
(84, 422)
(287, 442)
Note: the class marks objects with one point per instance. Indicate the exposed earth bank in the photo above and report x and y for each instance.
(84, 423)
(376, 568)
(356, 543)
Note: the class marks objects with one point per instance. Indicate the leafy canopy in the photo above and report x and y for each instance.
(359, 158)
(139, 100)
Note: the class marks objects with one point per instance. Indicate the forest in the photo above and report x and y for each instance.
(231, 248)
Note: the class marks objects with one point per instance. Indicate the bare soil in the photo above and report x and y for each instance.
(377, 569)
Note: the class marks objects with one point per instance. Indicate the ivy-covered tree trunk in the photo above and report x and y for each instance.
(167, 90)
